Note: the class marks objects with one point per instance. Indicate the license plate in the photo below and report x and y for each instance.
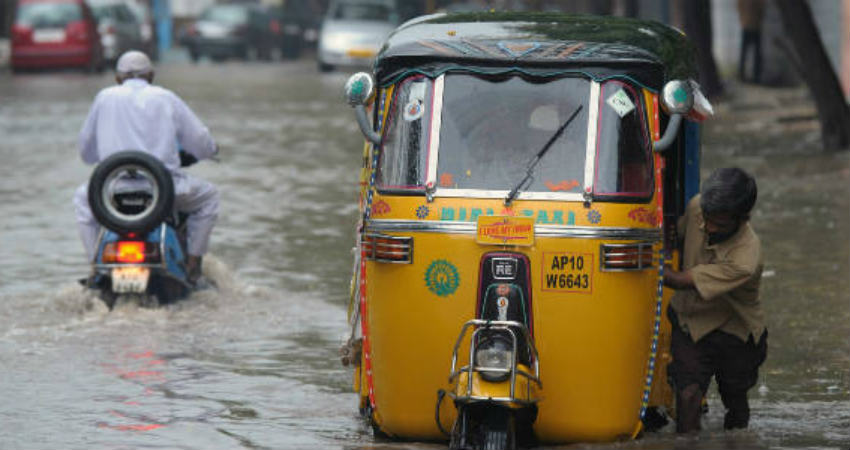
(567, 272)
(130, 279)
(361, 53)
(48, 35)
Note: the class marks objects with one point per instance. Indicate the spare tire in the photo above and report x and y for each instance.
(142, 173)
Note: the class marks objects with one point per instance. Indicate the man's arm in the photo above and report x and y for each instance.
(712, 280)
(678, 280)
(87, 142)
(192, 135)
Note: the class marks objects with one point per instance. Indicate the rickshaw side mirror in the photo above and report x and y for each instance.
(359, 90)
(677, 99)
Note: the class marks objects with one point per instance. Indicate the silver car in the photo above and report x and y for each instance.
(119, 30)
(353, 32)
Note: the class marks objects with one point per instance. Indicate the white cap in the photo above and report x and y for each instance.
(134, 62)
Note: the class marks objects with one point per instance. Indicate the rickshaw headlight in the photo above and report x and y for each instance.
(494, 361)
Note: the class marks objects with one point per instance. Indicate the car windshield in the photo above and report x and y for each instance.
(101, 12)
(139, 11)
(362, 11)
(493, 127)
(230, 15)
(43, 15)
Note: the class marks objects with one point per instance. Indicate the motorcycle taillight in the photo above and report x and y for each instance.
(131, 252)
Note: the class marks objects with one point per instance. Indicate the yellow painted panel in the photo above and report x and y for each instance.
(593, 345)
(543, 212)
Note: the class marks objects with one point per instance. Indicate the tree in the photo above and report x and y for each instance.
(817, 72)
(696, 15)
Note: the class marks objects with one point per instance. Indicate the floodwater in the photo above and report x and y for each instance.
(254, 364)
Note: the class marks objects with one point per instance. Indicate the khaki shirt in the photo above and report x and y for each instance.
(727, 277)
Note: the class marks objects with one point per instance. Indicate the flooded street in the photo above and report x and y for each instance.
(254, 364)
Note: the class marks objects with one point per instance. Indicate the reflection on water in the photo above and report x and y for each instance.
(254, 364)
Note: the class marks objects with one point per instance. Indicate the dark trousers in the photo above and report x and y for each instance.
(750, 38)
(732, 362)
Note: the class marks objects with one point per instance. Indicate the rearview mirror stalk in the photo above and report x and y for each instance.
(365, 126)
(669, 134)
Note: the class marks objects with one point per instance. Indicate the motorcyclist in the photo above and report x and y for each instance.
(136, 115)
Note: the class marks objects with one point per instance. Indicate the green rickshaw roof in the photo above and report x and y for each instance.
(600, 46)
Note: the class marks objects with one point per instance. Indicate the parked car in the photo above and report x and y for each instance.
(147, 28)
(231, 30)
(295, 25)
(119, 30)
(55, 33)
(353, 31)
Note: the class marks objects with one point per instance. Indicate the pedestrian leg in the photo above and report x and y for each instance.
(737, 373)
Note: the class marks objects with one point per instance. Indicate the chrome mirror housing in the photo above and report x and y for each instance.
(677, 97)
(359, 91)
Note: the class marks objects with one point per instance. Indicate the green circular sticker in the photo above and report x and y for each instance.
(680, 95)
(442, 278)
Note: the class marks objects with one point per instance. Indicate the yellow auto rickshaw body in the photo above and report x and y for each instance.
(593, 258)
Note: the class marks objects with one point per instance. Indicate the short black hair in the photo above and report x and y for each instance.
(729, 190)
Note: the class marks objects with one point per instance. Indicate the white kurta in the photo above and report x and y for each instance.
(138, 116)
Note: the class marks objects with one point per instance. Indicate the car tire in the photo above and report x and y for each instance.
(325, 67)
(107, 215)
(292, 48)
(244, 53)
(264, 53)
(95, 65)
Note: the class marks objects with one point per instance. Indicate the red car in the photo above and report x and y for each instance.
(55, 33)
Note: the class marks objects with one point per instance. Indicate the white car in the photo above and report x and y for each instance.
(353, 32)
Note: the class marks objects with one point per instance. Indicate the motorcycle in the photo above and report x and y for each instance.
(141, 247)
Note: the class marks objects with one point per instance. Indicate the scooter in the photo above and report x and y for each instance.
(141, 248)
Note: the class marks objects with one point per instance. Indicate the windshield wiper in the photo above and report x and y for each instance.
(533, 163)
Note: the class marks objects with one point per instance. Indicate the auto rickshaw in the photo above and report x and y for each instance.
(521, 181)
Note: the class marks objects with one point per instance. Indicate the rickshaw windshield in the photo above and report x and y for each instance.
(623, 156)
(405, 143)
(492, 128)
(476, 135)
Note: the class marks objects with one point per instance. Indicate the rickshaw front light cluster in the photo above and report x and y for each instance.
(494, 360)
(388, 249)
(626, 257)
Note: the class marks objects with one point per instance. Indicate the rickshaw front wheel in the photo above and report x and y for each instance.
(484, 427)
(498, 430)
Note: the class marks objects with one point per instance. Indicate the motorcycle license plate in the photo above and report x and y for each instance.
(132, 279)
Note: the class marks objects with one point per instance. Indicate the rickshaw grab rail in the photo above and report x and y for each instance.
(501, 325)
